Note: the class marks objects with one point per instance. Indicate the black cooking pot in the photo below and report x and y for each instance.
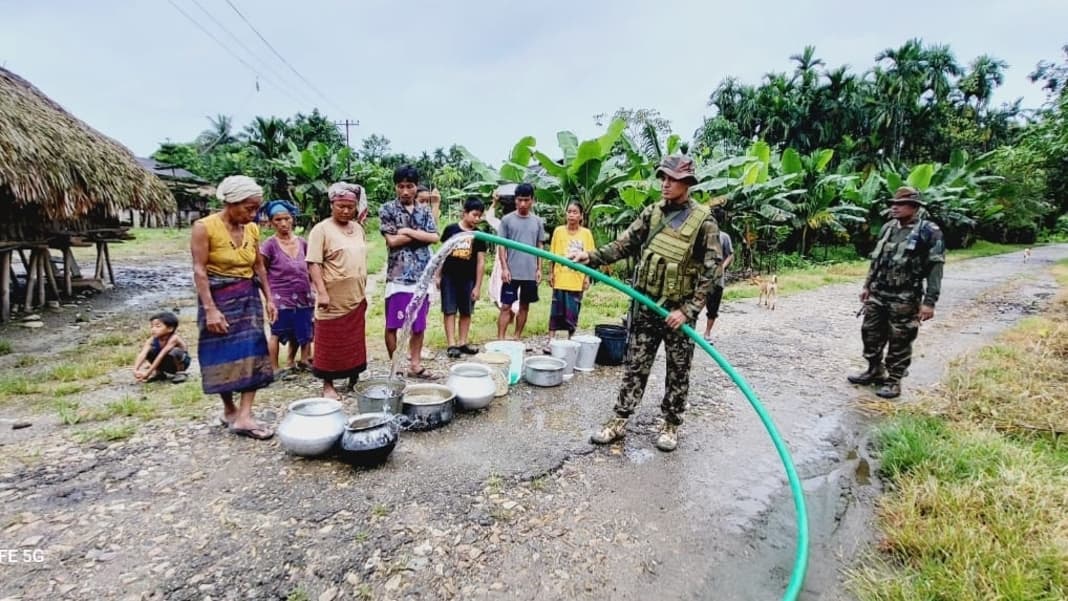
(427, 406)
(368, 439)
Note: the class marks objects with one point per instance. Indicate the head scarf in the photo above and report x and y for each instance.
(346, 190)
(275, 207)
(237, 188)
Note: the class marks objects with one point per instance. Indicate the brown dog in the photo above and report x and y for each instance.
(769, 290)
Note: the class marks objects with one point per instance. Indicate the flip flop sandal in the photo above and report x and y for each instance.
(260, 433)
(423, 374)
(179, 377)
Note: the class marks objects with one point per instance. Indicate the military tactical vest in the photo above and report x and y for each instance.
(666, 269)
(901, 266)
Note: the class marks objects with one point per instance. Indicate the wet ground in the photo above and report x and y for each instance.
(507, 503)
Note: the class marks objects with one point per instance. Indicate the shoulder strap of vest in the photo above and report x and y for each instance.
(888, 229)
(657, 223)
(698, 214)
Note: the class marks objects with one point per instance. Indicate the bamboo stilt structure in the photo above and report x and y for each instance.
(68, 262)
(99, 273)
(107, 261)
(50, 271)
(5, 285)
(31, 279)
(42, 269)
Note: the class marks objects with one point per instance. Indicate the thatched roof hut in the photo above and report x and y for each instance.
(191, 192)
(59, 174)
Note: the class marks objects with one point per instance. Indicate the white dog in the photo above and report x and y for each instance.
(1027, 255)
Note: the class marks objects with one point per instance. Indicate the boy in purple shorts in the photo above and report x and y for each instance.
(409, 231)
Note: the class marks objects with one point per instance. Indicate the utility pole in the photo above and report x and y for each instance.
(347, 124)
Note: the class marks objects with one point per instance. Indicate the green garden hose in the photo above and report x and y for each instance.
(797, 577)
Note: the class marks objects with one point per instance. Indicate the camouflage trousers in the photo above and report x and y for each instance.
(647, 331)
(890, 323)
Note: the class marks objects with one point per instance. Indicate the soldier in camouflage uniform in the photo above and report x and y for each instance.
(678, 250)
(909, 252)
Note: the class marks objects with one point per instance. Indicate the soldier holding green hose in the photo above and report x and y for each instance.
(678, 249)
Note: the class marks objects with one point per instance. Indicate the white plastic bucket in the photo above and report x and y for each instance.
(587, 353)
(515, 351)
(567, 350)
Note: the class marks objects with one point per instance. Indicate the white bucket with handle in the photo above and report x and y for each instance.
(567, 350)
(587, 354)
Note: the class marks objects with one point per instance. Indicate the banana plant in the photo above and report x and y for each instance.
(310, 172)
(817, 208)
(952, 192)
(589, 172)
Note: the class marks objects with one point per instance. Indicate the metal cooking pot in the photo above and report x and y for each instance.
(368, 439)
(311, 426)
(544, 371)
(428, 406)
(473, 385)
(375, 395)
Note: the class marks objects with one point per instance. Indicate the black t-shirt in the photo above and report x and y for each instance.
(463, 260)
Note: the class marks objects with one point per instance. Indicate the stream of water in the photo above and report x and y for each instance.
(422, 288)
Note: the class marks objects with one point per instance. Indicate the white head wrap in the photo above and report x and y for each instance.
(237, 188)
(340, 189)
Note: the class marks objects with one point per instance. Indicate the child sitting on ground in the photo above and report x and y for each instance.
(164, 355)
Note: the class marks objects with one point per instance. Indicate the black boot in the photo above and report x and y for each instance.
(889, 390)
(875, 373)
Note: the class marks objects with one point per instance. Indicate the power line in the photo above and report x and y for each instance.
(262, 62)
(234, 54)
(282, 58)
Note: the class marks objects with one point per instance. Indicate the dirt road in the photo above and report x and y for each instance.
(510, 503)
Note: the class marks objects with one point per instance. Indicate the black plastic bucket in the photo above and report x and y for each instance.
(613, 344)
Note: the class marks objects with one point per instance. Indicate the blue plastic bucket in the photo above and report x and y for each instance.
(613, 344)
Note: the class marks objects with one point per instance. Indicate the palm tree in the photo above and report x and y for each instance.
(219, 133)
(986, 74)
(941, 64)
(267, 136)
(899, 84)
(806, 67)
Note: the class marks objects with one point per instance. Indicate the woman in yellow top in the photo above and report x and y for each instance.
(568, 284)
(232, 348)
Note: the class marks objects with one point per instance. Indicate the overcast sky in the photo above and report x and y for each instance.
(478, 73)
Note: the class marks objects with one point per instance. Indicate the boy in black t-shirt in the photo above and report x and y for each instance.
(460, 278)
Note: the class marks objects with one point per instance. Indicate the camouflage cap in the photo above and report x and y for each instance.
(679, 167)
(906, 194)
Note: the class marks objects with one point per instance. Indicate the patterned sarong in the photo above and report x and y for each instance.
(340, 345)
(238, 360)
(564, 313)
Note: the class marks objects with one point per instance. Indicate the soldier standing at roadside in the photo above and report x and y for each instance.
(678, 249)
(909, 252)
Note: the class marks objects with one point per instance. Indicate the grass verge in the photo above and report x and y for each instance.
(978, 501)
